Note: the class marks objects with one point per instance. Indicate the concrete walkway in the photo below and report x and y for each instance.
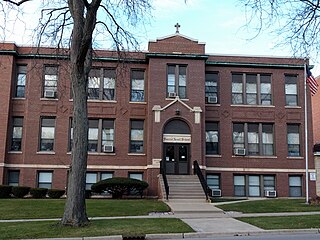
(204, 217)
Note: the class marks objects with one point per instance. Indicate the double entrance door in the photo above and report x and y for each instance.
(176, 158)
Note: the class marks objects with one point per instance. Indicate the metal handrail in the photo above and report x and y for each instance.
(164, 177)
(197, 170)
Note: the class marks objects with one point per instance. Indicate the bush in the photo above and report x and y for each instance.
(5, 191)
(20, 192)
(118, 186)
(38, 192)
(55, 193)
(315, 201)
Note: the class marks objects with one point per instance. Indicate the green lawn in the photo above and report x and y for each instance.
(130, 227)
(289, 222)
(53, 208)
(270, 205)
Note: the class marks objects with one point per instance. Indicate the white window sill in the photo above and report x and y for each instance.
(46, 153)
(213, 104)
(293, 107)
(137, 102)
(295, 157)
(48, 99)
(97, 154)
(182, 99)
(213, 155)
(99, 101)
(136, 154)
(15, 152)
(255, 106)
(258, 156)
(19, 98)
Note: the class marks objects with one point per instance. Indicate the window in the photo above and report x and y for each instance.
(212, 138)
(291, 90)
(213, 181)
(21, 81)
(253, 185)
(239, 186)
(211, 87)
(16, 137)
(13, 178)
(251, 89)
(137, 86)
(45, 180)
(47, 134)
(295, 186)
(101, 135)
(136, 136)
(93, 177)
(253, 139)
(138, 176)
(93, 135)
(101, 84)
(269, 183)
(293, 140)
(177, 81)
(50, 82)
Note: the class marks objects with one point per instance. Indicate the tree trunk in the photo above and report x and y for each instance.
(75, 208)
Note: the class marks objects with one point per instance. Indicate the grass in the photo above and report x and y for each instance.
(270, 206)
(285, 222)
(128, 227)
(53, 208)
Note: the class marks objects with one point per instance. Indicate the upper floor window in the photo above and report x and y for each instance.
(212, 138)
(251, 89)
(47, 134)
(136, 136)
(20, 84)
(16, 136)
(211, 87)
(137, 86)
(50, 86)
(101, 84)
(293, 138)
(177, 81)
(253, 139)
(101, 135)
(291, 90)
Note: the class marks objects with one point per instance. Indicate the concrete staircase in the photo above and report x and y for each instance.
(185, 187)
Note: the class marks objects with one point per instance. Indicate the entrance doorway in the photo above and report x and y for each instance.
(176, 157)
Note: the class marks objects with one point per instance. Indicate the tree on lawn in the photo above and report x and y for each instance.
(297, 22)
(75, 23)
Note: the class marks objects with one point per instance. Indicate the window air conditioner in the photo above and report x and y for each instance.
(49, 94)
(172, 94)
(240, 151)
(215, 192)
(212, 99)
(271, 193)
(107, 148)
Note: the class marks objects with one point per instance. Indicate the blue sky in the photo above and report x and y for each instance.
(219, 24)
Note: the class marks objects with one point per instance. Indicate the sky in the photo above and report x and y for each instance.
(218, 24)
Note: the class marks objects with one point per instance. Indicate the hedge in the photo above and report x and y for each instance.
(5, 191)
(20, 191)
(55, 193)
(38, 192)
(118, 186)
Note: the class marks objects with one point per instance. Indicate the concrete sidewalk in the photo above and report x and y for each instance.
(205, 217)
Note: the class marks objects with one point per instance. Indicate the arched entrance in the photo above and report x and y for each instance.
(176, 147)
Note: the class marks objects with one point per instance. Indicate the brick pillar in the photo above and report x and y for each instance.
(317, 167)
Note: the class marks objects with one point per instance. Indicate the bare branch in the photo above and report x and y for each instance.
(17, 3)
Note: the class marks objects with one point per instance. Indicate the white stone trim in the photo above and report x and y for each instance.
(278, 170)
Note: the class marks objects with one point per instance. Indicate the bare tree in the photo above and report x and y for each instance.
(297, 22)
(74, 23)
